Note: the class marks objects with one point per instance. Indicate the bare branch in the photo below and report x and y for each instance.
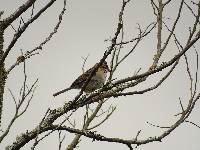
(182, 108)
(173, 27)
(32, 11)
(159, 34)
(147, 31)
(13, 97)
(60, 140)
(137, 42)
(38, 130)
(19, 104)
(191, 10)
(196, 73)
(192, 123)
(99, 137)
(194, 28)
(115, 93)
(84, 61)
(13, 28)
(155, 7)
(33, 52)
(162, 127)
(87, 120)
(137, 135)
(6, 22)
(102, 121)
(18, 34)
(162, 66)
(167, 2)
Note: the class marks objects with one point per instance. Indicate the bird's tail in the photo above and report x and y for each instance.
(62, 91)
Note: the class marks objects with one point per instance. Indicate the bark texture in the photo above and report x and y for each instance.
(2, 72)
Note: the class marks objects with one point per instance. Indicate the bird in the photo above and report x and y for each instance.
(97, 81)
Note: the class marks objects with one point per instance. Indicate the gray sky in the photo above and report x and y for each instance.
(85, 26)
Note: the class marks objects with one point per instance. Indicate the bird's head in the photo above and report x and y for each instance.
(105, 67)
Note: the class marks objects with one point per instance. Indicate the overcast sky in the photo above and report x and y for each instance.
(85, 26)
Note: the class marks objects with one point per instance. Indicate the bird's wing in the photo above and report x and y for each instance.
(78, 83)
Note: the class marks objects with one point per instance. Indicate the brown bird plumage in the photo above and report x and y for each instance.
(96, 82)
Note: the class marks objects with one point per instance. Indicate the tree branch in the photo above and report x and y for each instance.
(6, 22)
(18, 34)
(33, 52)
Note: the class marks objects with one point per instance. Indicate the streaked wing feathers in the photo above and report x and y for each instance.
(78, 83)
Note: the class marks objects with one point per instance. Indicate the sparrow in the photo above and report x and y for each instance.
(97, 81)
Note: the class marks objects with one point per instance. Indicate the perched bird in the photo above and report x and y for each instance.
(96, 82)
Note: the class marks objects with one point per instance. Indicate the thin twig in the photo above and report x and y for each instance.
(17, 13)
(84, 61)
(192, 123)
(38, 130)
(33, 52)
(18, 34)
(60, 140)
(163, 127)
